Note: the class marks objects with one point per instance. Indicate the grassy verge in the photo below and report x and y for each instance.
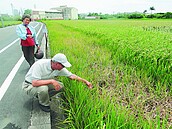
(9, 23)
(120, 98)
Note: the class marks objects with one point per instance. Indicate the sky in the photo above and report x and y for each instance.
(86, 6)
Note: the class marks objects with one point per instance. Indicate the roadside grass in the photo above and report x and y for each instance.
(9, 23)
(122, 97)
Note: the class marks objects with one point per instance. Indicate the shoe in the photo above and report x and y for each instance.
(45, 108)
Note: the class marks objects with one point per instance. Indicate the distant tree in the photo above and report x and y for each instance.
(28, 11)
(167, 15)
(93, 14)
(151, 9)
(144, 11)
(135, 16)
(151, 16)
(89, 14)
(121, 15)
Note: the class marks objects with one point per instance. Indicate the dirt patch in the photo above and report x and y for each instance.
(136, 95)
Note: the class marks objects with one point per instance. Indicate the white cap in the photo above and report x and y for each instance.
(61, 58)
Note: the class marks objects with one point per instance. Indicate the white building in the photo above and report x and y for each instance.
(62, 12)
(49, 14)
(68, 12)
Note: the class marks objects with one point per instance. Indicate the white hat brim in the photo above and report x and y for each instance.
(67, 64)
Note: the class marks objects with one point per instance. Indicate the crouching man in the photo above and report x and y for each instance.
(39, 80)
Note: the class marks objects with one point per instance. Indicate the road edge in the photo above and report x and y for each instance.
(40, 119)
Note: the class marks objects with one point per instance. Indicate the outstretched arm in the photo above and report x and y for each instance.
(75, 77)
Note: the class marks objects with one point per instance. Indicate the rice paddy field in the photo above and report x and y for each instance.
(129, 63)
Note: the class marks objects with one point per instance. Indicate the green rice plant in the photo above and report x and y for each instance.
(91, 111)
(147, 51)
(123, 94)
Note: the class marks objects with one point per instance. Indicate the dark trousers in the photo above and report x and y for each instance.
(28, 52)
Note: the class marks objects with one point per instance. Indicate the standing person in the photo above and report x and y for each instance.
(28, 38)
(39, 80)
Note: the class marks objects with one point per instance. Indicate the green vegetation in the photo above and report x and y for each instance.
(129, 63)
(9, 23)
(6, 20)
(132, 15)
(28, 11)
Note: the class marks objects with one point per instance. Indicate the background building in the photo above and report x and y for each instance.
(68, 12)
(62, 12)
(49, 14)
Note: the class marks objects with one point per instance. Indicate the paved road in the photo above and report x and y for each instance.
(15, 106)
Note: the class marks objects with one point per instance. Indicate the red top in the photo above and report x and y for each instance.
(28, 41)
